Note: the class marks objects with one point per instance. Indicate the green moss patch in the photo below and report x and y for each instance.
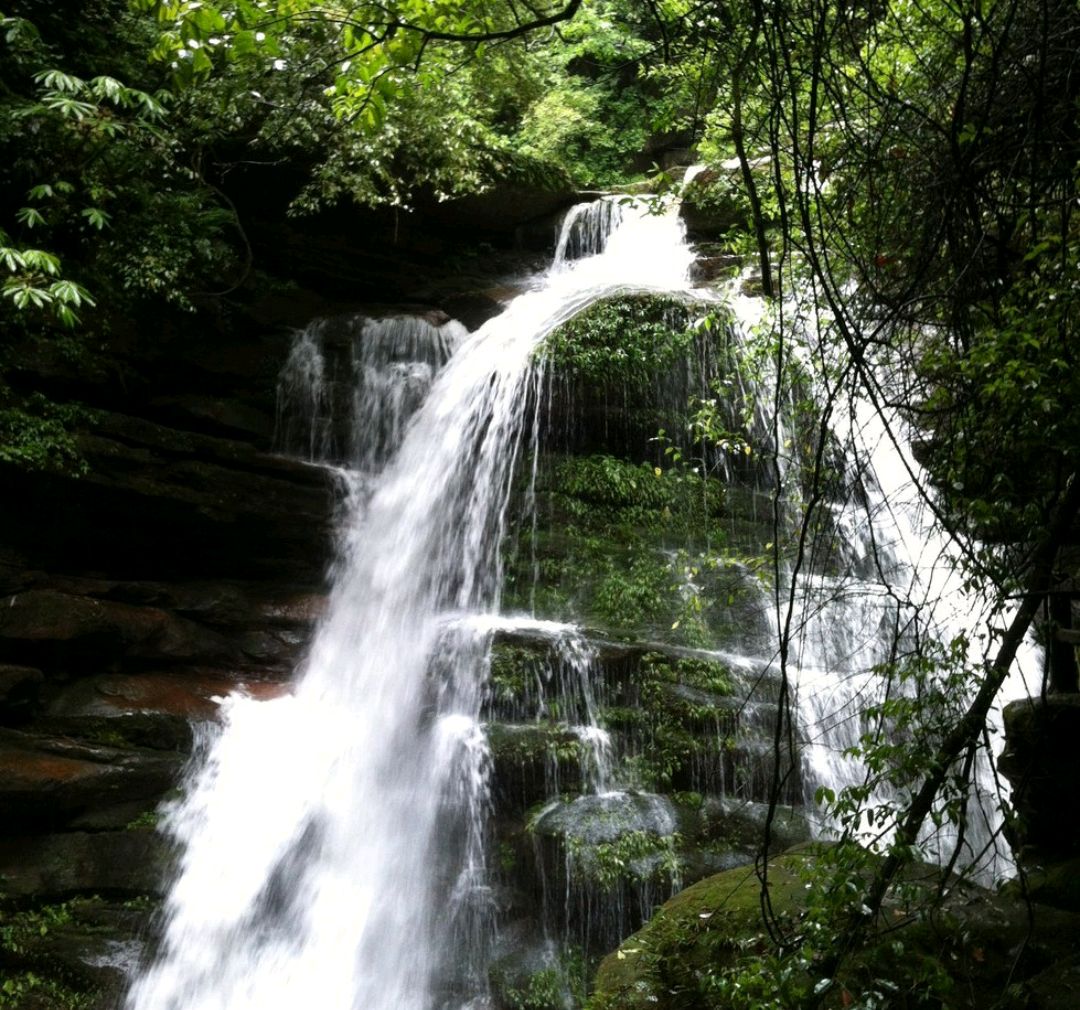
(624, 339)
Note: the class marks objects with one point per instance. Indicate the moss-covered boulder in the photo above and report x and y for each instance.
(709, 949)
(666, 965)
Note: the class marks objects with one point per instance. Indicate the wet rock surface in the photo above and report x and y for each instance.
(176, 560)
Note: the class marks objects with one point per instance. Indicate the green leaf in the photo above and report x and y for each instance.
(30, 216)
(201, 64)
(70, 293)
(69, 108)
(41, 261)
(57, 80)
(12, 258)
(96, 217)
(107, 87)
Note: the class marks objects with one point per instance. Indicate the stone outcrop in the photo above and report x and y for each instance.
(1042, 764)
(171, 560)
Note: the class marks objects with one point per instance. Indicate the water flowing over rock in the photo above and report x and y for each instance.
(546, 692)
(350, 384)
(287, 894)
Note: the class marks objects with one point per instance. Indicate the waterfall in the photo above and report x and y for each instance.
(586, 230)
(331, 841)
(895, 586)
(350, 385)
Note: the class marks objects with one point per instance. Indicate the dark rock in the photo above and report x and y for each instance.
(175, 503)
(502, 209)
(472, 309)
(51, 867)
(188, 695)
(1042, 762)
(613, 857)
(230, 418)
(49, 780)
(533, 762)
(598, 819)
(713, 204)
(1056, 884)
(19, 687)
(741, 824)
(104, 627)
(706, 269)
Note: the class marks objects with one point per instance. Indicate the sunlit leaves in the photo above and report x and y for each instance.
(86, 142)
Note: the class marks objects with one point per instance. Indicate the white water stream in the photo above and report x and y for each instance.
(331, 840)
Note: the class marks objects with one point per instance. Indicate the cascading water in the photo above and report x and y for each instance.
(331, 840)
(350, 385)
(891, 587)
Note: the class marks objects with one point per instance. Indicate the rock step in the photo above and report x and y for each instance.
(50, 781)
(599, 864)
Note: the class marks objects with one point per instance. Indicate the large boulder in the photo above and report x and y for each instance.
(119, 863)
(106, 628)
(1042, 762)
(171, 502)
(710, 939)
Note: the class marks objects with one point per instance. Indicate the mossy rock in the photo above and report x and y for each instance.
(622, 338)
(70, 956)
(626, 367)
(969, 950)
(741, 823)
(538, 976)
(1054, 883)
(516, 673)
(534, 761)
(640, 551)
(693, 934)
(714, 204)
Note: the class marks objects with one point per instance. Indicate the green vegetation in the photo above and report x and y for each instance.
(671, 728)
(25, 988)
(544, 990)
(634, 549)
(38, 443)
(528, 744)
(707, 948)
(560, 984)
(629, 339)
(95, 155)
(28, 978)
(632, 857)
(903, 176)
(19, 928)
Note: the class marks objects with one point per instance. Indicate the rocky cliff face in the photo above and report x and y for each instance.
(172, 559)
(175, 558)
